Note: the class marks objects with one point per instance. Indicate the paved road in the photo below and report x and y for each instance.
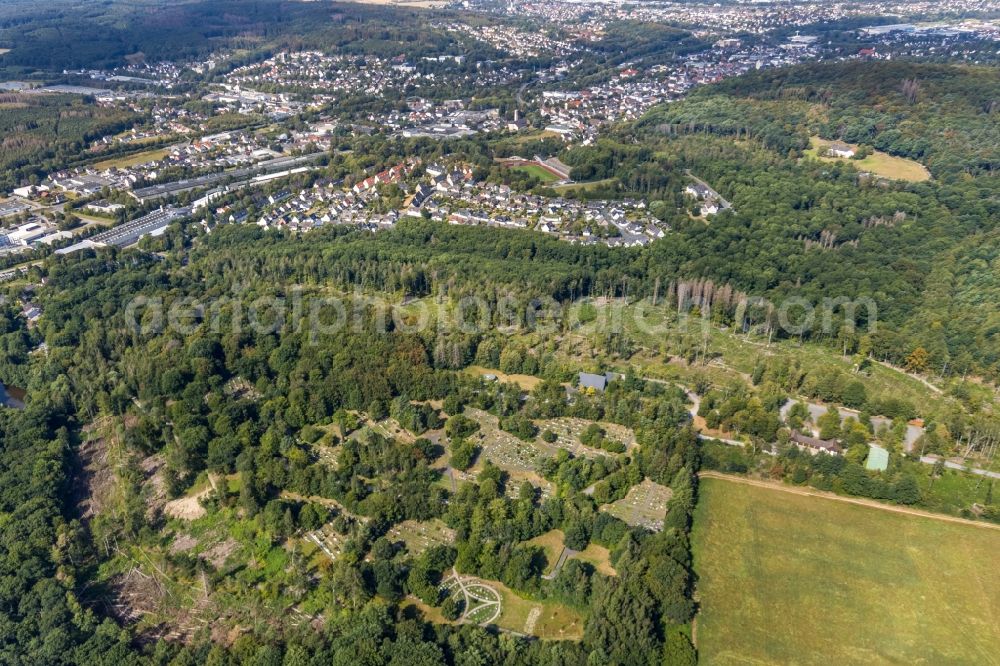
(563, 556)
(722, 202)
(930, 460)
(520, 93)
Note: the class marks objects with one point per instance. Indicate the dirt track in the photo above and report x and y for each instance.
(795, 490)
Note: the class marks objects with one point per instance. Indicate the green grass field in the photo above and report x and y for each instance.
(790, 579)
(538, 172)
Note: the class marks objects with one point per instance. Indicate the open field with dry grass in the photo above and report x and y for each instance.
(527, 382)
(132, 160)
(552, 543)
(599, 556)
(786, 578)
(879, 163)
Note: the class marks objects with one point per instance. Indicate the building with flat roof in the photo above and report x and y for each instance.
(28, 233)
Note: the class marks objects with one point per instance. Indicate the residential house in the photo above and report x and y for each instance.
(815, 445)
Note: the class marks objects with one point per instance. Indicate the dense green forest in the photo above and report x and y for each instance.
(171, 395)
(821, 230)
(114, 33)
(247, 404)
(41, 132)
(946, 116)
(146, 386)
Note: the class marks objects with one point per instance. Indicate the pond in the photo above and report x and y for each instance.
(12, 396)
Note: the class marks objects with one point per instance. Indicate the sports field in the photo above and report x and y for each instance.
(784, 578)
(542, 174)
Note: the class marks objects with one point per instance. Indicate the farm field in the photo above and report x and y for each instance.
(785, 578)
(879, 163)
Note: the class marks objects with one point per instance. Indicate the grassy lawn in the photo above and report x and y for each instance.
(553, 621)
(953, 491)
(788, 579)
(538, 172)
(549, 620)
(879, 163)
(430, 613)
(599, 556)
(95, 219)
(552, 543)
